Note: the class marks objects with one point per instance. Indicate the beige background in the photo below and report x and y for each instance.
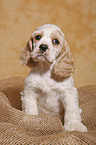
(77, 19)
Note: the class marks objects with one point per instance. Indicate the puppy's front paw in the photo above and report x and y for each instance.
(76, 126)
(31, 112)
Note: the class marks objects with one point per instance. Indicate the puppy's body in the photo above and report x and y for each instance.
(46, 93)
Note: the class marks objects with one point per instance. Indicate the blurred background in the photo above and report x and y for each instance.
(77, 19)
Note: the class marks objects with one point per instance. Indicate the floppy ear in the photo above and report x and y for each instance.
(64, 65)
(25, 55)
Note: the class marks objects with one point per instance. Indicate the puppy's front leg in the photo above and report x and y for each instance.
(72, 111)
(29, 102)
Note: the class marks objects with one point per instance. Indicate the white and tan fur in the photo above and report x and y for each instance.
(46, 89)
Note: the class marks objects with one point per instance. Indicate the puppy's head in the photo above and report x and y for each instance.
(48, 44)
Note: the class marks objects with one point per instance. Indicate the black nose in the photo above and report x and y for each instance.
(43, 47)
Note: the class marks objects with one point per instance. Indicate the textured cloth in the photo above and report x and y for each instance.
(16, 127)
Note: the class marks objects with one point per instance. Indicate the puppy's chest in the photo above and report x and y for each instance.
(45, 84)
(48, 95)
(47, 92)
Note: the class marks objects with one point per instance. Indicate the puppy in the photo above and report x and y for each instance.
(49, 88)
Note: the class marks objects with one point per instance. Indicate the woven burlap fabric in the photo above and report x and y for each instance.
(16, 127)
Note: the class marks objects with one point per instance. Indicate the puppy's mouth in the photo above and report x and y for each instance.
(41, 57)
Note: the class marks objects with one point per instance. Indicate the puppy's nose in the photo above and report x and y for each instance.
(43, 47)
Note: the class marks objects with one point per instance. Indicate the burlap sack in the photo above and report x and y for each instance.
(18, 128)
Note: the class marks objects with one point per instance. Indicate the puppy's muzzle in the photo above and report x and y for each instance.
(43, 48)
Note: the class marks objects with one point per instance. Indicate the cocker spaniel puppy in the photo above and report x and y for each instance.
(49, 88)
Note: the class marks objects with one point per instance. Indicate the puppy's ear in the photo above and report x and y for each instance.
(25, 55)
(64, 65)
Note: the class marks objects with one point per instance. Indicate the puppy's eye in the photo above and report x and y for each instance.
(38, 37)
(55, 41)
